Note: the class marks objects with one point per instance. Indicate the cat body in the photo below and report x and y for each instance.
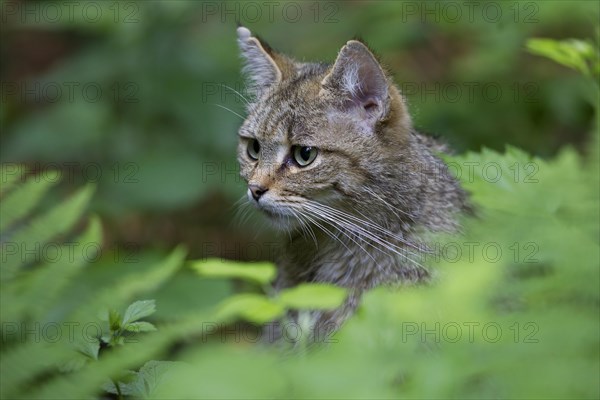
(330, 156)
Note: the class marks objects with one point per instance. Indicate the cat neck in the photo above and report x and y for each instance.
(350, 260)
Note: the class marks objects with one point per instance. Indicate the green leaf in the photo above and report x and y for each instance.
(10, 175)
(89, 348)
(262, 273)
(139, 310)
(86, 350)
(114, 320)
(125, 386)
(140, 326)
(39, 289)
(251, 307)
(186, 292)
(20, 363)
(570, 53)
(41, 229)
(85, 382)
(19, 202)
(312, 296)
(130, 286)
(144, 383)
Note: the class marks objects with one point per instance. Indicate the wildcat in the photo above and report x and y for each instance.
(330, 155)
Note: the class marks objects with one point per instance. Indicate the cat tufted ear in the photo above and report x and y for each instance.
(358, 78)
(262, 65)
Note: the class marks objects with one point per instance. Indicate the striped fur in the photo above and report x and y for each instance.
(359, 215)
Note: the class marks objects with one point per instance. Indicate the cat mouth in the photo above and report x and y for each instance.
(270, 213)
(280, 218)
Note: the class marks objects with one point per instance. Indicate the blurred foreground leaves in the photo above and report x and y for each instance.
(520, 321)
(513, 313)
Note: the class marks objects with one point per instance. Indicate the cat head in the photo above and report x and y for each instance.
(317, 132)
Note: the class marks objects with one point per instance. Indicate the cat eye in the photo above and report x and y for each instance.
(253, 149)
(304, 155)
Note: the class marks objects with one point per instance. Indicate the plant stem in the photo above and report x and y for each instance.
(119, 394)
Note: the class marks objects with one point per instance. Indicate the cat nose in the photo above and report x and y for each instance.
(257, 191)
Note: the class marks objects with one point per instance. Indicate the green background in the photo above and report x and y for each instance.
(129, 96)
(160, 149)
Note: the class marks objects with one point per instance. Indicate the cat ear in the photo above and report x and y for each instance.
(358, 78)
(260, 65)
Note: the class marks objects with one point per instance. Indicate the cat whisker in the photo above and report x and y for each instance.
(326, 231)
(387, 204)
(247, 215)
(336, 238)
(333, 222)
(288, 226)
(236, 92)
(259, 229)
(330, 234)
(366, 223)
(241, 211)
(305, 227)
(230, 110)
(341, 221)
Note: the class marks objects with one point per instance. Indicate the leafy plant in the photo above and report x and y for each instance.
(43, 252)
(519, 322)
(120, 325)
(580, 55)
(73, 359)
(302, 297)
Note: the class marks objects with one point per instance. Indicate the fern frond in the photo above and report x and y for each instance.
(40, 230)
(19, 203)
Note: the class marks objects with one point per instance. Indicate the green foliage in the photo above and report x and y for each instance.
(146, 381)
(164, 71)
(520, 324)
(251, 307)
(261, 273)
(41, 229)
(260, 308)
(512, 314)
(130, 322)
(580, 55)
(313, 296)
(138, 310)
(78, 363)
(40, 337)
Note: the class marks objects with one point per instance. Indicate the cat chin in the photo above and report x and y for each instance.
(284, 224)
(280, 219)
